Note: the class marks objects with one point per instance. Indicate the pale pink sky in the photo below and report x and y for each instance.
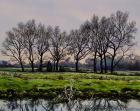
(68, 14)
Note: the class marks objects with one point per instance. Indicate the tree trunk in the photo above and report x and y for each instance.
(77, 65)
(32, 66)
(105, 64)
(101, 64)
(22, 67)
(112, 64)
(95, 63)
(112, 61)
(57, 65)
(41, 63)
(54, 66)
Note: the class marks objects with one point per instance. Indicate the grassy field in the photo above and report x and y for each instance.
(27, 82)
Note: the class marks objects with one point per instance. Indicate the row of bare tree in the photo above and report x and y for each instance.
(106, 37)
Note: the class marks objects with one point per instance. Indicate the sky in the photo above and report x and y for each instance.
(68, 14)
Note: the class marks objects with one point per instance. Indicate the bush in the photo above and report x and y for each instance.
(124, 90)
(49, 67)
(61, 69)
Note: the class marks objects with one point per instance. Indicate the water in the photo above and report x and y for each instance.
(71, 105)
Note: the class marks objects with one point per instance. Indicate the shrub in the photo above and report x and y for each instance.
(49, 67)
(124, 90)
(61, 69)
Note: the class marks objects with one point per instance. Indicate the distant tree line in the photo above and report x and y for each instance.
(99, 38)
(5, 64)
(131, 62)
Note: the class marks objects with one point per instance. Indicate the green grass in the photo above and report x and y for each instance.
(82, 81)
(55, 82)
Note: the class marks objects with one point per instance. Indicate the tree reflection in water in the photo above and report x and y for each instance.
(94, 104)
(97, 105)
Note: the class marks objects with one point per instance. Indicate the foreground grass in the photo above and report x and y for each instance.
(48, 83)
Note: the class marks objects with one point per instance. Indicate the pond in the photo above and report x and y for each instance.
(94, 104)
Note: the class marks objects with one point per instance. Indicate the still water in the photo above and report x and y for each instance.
(104, 104)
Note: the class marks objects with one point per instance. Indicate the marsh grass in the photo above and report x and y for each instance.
(56, 82)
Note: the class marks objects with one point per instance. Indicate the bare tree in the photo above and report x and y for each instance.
(93, 39)
(30, 36)
(103, 42)
(78, 46)
(121, 39)
(58, 46)
(13, 46)
(42, 44)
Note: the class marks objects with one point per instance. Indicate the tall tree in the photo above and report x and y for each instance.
(30, 36)
(103, 42)
(42, 43)
(78, 46)
(13, 46)
(121, 39)
(94, 30)
(58, 46)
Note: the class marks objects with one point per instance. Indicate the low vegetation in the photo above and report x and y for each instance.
(42, 84)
